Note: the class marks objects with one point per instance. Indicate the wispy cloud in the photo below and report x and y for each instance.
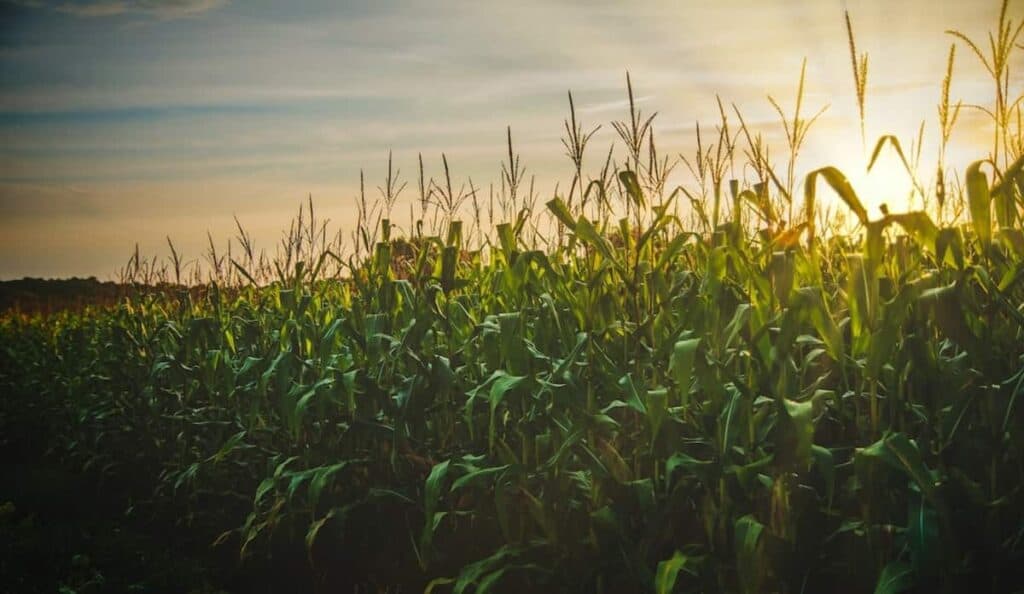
(172, 9)
(617, 105)
(161, 9)
(24, 3)
(93, 9)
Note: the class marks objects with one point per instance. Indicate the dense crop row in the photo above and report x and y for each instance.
(750, 405)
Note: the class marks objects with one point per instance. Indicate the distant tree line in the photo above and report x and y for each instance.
(38, 295)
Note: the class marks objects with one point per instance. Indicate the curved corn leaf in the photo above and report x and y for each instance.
(1005, 192)
(432, 494)
(895, 578)
(561, 211)
(838, 182)
(632, 185)
(750, 562)
(899, 452)
(668, 571)
(795, 434)
(919, 225)
(680, 365)
(892, 140)
(980, 202)
(501, 386)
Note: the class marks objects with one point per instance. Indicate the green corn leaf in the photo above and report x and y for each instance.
(265, 486)
(739, 321)
(632, 186)
(668, 571)
(561, 211)
(657, 410)
(321, 477)
(338, 514)
(919, 225)
(923, 536)
(896, 577)
(949, 247)
(500, 387)
(1010, 278)
(838, 182)
(431, 497)
(823, 322)
(474, 573)
(588, 234)
(454, 235)
(1014, 241)
(449, 262)
(795, 434)
(671, 252)
(477, 476)
(882, 345)
(687, 462)
(909, 457)
(874, 242)
(1010, 177)
(632, 394)
(749, 554)
(303, 402)
(1004, 193)
(434, 583)
(507, 238)
(892, 140)
(680, 365)
(235, 441)
(900, 453)
(728, 419)
(824, 461)
(980, 202)
(760, 204)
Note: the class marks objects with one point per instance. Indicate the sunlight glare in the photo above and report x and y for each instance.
(886, 184)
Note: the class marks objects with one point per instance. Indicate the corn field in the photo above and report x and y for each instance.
(722, 387)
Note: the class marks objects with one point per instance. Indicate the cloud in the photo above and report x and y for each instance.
(173, 9)
(618, 105)
(161, 9)
(93, 9)
(24, 3)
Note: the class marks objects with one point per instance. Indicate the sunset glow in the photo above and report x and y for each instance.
(125, 122)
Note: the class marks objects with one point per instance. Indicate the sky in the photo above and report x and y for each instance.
(128, 121)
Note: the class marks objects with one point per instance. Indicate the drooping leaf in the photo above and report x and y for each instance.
(431, 497)
(923, 536)
(796, 433)
(668, 571)
(632, 394)
(900, 453)
(561, 211)
(477, 476)
(632, 185)
(896, 577)
(681, 365)
(824, 461)
(979, 200)
(750, 561)
(500, 387)
(919, 225)
(838, 182)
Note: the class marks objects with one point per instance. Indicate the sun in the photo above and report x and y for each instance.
(886, 187)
